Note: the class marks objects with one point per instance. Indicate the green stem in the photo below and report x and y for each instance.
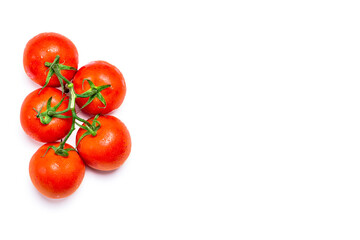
(72, 97)
(82, 120)
(58, 74)
(61, 112)
(71, 108)
(62, 144)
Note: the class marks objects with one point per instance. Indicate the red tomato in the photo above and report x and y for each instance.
(100, 73)
(109, 149)
(57, 128)
(55, 176)
(44, 48)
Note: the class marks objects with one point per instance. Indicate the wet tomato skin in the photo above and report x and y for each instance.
(100, 73)
(44, 48)
(55, 176)
(57, 128)
(109, 149)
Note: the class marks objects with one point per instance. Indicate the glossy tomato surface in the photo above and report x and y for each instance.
(100, 73)
(109, 149)
(55, 176)
(57, 128)
(44, 48)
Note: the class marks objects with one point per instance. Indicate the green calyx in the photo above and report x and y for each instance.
(50, 112)
(90, 129)
(59, 151)
(55, 68)
(93, 92)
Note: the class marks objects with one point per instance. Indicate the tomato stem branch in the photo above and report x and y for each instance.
(82, 120)
(61, 112)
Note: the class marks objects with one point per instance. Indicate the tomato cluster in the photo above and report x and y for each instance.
(48, 115)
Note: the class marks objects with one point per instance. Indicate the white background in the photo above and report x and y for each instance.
(244, 117)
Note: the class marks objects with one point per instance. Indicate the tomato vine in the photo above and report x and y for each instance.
(50, 112)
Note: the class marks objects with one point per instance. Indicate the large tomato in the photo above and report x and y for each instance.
(109, 149)
(44, 48)
(55, 176)
(100, 73)
(57, 128)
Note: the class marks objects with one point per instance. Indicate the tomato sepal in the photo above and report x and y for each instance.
(59, 151)
(50, 112)
(95, 126)
(93, 92)
(54, 68)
